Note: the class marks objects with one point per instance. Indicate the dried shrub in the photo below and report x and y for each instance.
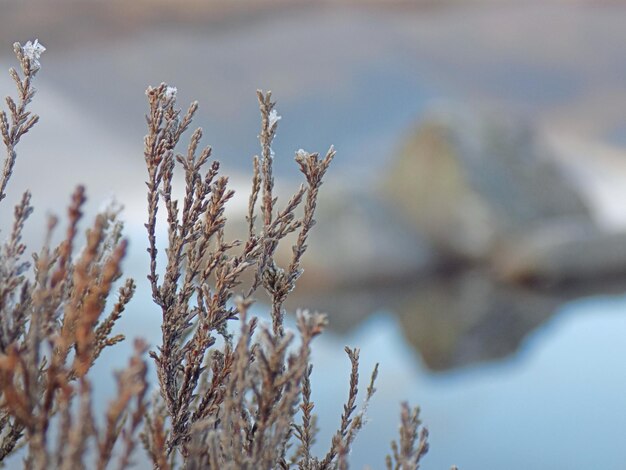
(226, 397)
(54, 322)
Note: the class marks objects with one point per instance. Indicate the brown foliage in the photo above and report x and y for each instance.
(223, 400)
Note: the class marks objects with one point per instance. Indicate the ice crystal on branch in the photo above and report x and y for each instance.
(274, 117)
(170, 92)
(32, 51)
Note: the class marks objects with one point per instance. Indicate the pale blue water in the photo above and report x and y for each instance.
(560, 402)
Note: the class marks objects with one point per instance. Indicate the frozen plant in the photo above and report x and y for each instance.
(33, 50)
(230, 404)
(273, 118)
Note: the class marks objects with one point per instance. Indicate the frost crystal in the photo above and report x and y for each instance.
(170, 92)
(274, 118)
(302, 153)
(33, 51)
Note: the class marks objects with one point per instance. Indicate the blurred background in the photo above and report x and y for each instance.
(472, 232)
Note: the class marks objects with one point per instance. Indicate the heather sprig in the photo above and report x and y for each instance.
(54, 321)
(231, 392)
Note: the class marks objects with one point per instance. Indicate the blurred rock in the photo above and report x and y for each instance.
(452, 320)
(469, 181)
(456, 319)
(563, 251)
(469, 318)
(359, 240)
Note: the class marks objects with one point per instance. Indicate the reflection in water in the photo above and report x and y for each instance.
(458, 319)
(559, 404)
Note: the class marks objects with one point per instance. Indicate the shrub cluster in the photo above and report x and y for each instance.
(227, 397)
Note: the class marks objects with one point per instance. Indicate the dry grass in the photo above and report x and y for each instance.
(227, 397)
